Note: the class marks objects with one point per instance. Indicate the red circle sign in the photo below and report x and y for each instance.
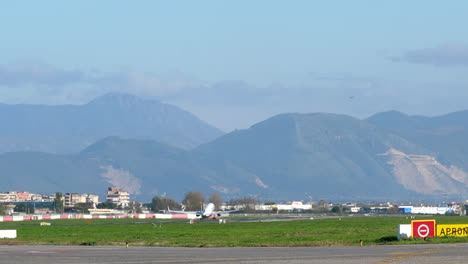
(423, 230)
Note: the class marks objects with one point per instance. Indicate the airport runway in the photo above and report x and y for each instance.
(427, 254)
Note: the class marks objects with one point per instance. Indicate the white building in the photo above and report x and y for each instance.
(73, 199)
(117, 196)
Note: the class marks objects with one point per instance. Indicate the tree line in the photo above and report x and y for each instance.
(195, 201)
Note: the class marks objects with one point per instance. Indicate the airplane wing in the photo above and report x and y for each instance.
(183, 212)
(179, 212)
(225, 212)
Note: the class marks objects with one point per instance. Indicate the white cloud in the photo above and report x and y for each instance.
(146, 83)
(18, 74)
(44, 83)
(237, 104)
(444, 55)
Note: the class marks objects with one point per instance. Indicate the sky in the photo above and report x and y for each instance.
(236, 63)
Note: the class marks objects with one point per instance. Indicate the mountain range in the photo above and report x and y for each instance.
(390, 155)
(70, 128)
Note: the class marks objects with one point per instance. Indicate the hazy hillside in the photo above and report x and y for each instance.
(329, 155)
(143, 167)
(46, 173)
(70, 128)
(446, 136)
(321, 154)
(288, 156)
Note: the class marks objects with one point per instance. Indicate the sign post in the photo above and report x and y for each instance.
(423, 228)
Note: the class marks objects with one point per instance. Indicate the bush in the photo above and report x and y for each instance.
(387, 239)
(88, 243)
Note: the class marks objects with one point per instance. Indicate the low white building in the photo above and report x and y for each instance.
(431, 210)
(293, 206)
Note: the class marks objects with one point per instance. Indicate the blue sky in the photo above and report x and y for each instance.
(234, 63)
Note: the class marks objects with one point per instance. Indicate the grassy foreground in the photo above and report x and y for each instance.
(346, 231)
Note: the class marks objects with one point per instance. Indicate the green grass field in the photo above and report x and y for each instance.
(346, 231)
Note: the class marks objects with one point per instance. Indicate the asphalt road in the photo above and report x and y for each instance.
(415, 254)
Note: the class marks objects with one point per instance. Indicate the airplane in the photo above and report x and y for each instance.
(209, 212)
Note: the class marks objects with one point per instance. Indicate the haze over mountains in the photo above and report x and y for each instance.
(289, 156)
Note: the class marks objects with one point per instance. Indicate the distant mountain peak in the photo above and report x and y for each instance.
(392, 114)
(395, 119)
(68, 129)
(121, 99)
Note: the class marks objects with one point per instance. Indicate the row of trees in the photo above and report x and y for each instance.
(195, 200)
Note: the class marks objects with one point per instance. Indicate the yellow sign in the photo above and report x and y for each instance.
(452, 230)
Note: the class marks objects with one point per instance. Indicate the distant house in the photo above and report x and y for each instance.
(74, 199)
(117, 196)
(14, 196)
